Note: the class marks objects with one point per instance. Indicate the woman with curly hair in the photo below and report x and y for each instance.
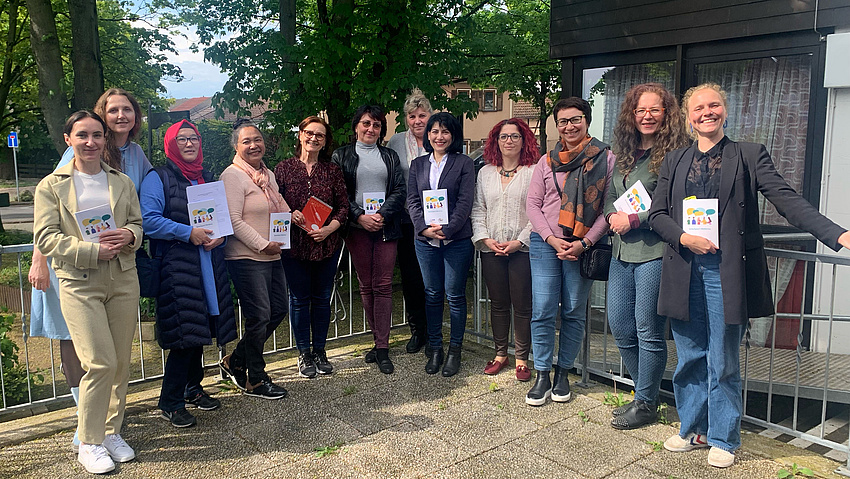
(502, 232)
(650, 125)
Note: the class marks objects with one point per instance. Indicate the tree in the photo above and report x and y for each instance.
(85, 54)
(513, 54)
(344, 54)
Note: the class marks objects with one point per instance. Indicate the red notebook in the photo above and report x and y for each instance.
(316, 212)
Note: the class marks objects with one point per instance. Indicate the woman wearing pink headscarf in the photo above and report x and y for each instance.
(253, 260)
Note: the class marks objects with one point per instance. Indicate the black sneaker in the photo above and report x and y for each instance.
(371, 356)
(306, 366)
(320, 358)
(541, 391)
(180, 418)
(267, 390)
(561, 385)
(239, 376)
(203, 401)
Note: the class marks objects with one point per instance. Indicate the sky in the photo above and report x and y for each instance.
(201, 79)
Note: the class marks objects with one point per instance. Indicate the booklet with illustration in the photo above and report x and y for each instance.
(214, 191)
(700, 217)
(634, 200)
(372, 202)
(203, 214)
(435, 205)
(279, 224)
(316, 212)
(94, 221)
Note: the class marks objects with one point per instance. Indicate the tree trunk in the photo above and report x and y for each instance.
(541, 105)
(85, 53)
(11, 72)
(48, 59)
(339, 110)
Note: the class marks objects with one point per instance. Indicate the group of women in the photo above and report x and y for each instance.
(522, 214)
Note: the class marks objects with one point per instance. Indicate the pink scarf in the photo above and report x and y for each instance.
(261, 178)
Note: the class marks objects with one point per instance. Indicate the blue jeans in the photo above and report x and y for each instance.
(636, 325)
(707, 381)
(444, 272)
(310, 287)
(555, 281)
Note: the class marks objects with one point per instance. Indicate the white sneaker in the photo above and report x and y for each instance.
(677, 443)
(95, 458)
(719, 458)
(118, 449)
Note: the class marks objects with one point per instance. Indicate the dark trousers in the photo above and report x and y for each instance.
(508, 281)
(374, 260)
(184, 371)
(310, 286)
(411, 280)
(261, 288)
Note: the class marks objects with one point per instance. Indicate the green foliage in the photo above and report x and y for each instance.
(662, 414)
(14, 373)
(26, 196)
(584, 417)
(615, 400)
(9, 273)
(327, 450)
(656, 445)
(349, 390)
(13, 237)
(493, 387)
(795, 471)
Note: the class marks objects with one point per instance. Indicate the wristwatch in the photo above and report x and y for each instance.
(584, 244)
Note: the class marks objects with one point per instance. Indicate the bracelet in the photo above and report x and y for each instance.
(584, 244)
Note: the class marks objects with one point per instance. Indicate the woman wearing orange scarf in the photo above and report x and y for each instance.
(253, 260)
(565, 202)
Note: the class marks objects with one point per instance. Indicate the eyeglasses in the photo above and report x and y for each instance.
(576, 120)
(182, 140)
(514, 137)
(310, 134)
(371, 124)
(641, 112)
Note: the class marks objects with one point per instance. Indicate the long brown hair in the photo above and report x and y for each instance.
(112, 152)
(670, 135)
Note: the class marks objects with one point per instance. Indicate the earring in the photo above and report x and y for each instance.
(725, 123)
(692, 128)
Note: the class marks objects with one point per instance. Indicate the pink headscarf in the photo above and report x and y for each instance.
(192, 171)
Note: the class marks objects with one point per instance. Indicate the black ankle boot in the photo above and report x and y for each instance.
(561, 385)
(452, 365)
(383, 357)
(540, 392)
(640, 414)
(417, 340)
(435, 360)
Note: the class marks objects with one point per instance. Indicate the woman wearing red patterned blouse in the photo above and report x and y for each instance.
(311, 263)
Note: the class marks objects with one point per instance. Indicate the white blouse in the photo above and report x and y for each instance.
(498, 212)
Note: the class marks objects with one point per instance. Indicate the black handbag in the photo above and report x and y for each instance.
(594, 263)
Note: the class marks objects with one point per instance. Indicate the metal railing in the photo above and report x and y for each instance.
(37, 356)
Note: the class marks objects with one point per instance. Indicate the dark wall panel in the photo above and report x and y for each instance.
(581, 28)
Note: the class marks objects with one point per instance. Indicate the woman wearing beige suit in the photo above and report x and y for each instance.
(98, 285)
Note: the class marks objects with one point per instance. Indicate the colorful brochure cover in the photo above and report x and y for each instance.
(372, 202)
(316, 212)
(634, 200)
(203, 214)
(279, 224)
(94, 221)
(435, 205)
(701, 217)
(213, 190)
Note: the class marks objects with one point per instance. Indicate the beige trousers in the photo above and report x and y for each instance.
(101, 315)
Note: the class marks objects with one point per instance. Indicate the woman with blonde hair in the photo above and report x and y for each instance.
(650, 125)
(409, 145)
(725, 283)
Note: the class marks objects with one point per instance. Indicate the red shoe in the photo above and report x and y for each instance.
(523, 373)
(493, 367)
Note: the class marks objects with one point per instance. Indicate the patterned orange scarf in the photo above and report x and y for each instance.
(581, 195)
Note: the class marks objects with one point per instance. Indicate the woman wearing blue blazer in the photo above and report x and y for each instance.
(444, 250)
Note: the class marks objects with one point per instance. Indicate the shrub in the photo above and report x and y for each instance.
(14, 373)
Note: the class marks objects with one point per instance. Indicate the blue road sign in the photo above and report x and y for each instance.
(13, 140)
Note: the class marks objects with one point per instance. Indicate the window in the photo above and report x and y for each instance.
(489, 101)
(463, 92)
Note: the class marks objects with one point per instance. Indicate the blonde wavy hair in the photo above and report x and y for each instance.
(669, 136)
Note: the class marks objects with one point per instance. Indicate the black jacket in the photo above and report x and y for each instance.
(746, 170)
(393, 207)
(458, 179)
(182, 320)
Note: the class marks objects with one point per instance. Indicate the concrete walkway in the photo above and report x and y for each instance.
(361, 423)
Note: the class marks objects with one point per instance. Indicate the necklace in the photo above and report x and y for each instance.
(508, 173)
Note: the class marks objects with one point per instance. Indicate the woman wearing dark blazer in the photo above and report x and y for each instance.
(727, 283)
(444, 250)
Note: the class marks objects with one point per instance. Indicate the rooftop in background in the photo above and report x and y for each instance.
(201, 108)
